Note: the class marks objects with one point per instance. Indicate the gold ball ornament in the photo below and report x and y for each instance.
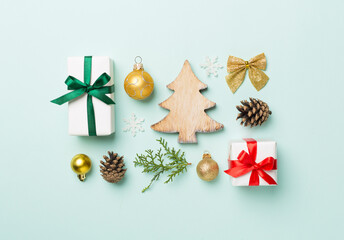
(138, 84)
(81, 164)
(207, 168)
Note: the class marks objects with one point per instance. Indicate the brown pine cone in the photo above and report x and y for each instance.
(253, 113)
(112, 169)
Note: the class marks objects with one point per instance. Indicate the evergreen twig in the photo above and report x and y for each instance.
(154, 162)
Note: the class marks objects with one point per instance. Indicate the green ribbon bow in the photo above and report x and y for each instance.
(97, 90)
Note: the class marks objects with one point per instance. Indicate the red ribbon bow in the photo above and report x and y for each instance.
(247, 163)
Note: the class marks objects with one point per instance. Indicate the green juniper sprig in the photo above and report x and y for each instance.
(154, 162)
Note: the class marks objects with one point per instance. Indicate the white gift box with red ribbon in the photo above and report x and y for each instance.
(253, 163)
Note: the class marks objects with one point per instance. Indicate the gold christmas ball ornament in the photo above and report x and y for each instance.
(81, 164)
(138, 84)
(207, 168)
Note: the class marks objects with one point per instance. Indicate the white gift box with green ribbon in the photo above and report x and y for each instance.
(91, 99)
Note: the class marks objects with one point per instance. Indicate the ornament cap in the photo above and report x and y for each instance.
(82, 177)
(138, 63)
(138, 66)
(206, 154)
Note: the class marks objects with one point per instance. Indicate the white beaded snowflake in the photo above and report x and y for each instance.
(134, 125)
(211, 66)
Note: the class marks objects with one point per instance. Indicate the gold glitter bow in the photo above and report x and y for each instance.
(236, 67)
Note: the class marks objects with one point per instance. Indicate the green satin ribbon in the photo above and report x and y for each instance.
(97, 90)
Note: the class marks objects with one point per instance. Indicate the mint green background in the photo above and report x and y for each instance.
(41, 198)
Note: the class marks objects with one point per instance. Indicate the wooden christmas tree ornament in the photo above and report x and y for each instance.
(187, 108)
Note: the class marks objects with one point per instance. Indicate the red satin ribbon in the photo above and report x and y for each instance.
(247, 163)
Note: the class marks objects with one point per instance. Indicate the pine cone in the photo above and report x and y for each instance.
(253, 113)
(112, 169)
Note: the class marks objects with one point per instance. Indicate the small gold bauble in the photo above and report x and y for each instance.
(81, 164)
(207, 168)
(138, 84)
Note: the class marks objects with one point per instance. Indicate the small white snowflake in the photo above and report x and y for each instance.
(211, 66)
(134, 125)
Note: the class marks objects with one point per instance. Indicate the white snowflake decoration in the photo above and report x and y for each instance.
(211, 66)
(134, 125)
